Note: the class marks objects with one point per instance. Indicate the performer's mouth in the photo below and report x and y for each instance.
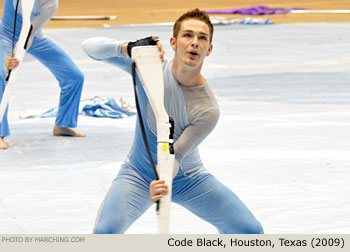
(193, 53)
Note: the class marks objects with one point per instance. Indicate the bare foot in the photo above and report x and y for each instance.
(65, 131)
(3, 145)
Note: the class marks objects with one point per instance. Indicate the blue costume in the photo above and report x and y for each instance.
(195, 113)
(70, 78)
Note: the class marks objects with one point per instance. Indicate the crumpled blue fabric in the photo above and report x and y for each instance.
(97, 106)
(105, 108)
(50, 113)
(256, 21)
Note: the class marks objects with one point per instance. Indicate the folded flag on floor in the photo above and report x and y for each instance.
(253, 10)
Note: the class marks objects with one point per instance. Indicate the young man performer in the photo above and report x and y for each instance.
(190, 102)
(70, 78)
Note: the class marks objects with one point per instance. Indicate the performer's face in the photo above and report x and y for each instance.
(192, 43)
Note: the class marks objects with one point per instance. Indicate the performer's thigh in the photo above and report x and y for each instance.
(54, 58)
(126, 200)
(212, 201)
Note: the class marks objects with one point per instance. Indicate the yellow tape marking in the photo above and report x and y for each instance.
(165, 147)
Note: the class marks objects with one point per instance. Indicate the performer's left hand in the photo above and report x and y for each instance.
(157, 189)
(11, 62)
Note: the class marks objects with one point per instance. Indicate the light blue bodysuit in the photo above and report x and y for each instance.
(70, 78)
(195, 113)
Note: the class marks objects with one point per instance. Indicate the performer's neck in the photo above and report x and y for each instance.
(188, 76)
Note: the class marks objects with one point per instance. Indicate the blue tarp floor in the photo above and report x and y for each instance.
(282, 143)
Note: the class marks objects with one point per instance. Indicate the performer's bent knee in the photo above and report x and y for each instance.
(77, 76)
(110, 227)
(255, 228)
(251, 227)
(74, 81)
(106, 229)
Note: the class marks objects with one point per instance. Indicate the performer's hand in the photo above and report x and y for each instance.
(158, 188)
(160, 47)
(11, 62)
(152, 40)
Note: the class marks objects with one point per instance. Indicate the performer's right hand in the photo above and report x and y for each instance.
(160, 47)
(152, 40)
(158, 188)
(11, 62)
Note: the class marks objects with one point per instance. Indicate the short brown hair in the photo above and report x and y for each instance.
(193, 14)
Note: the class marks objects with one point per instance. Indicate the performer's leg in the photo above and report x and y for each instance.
(70, 79)
(127, 199)
(209, 199)
(5, 51)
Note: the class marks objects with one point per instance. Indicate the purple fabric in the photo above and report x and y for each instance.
(253, 10)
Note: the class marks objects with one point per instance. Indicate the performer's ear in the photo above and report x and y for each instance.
(210, 49)
(173, 43)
